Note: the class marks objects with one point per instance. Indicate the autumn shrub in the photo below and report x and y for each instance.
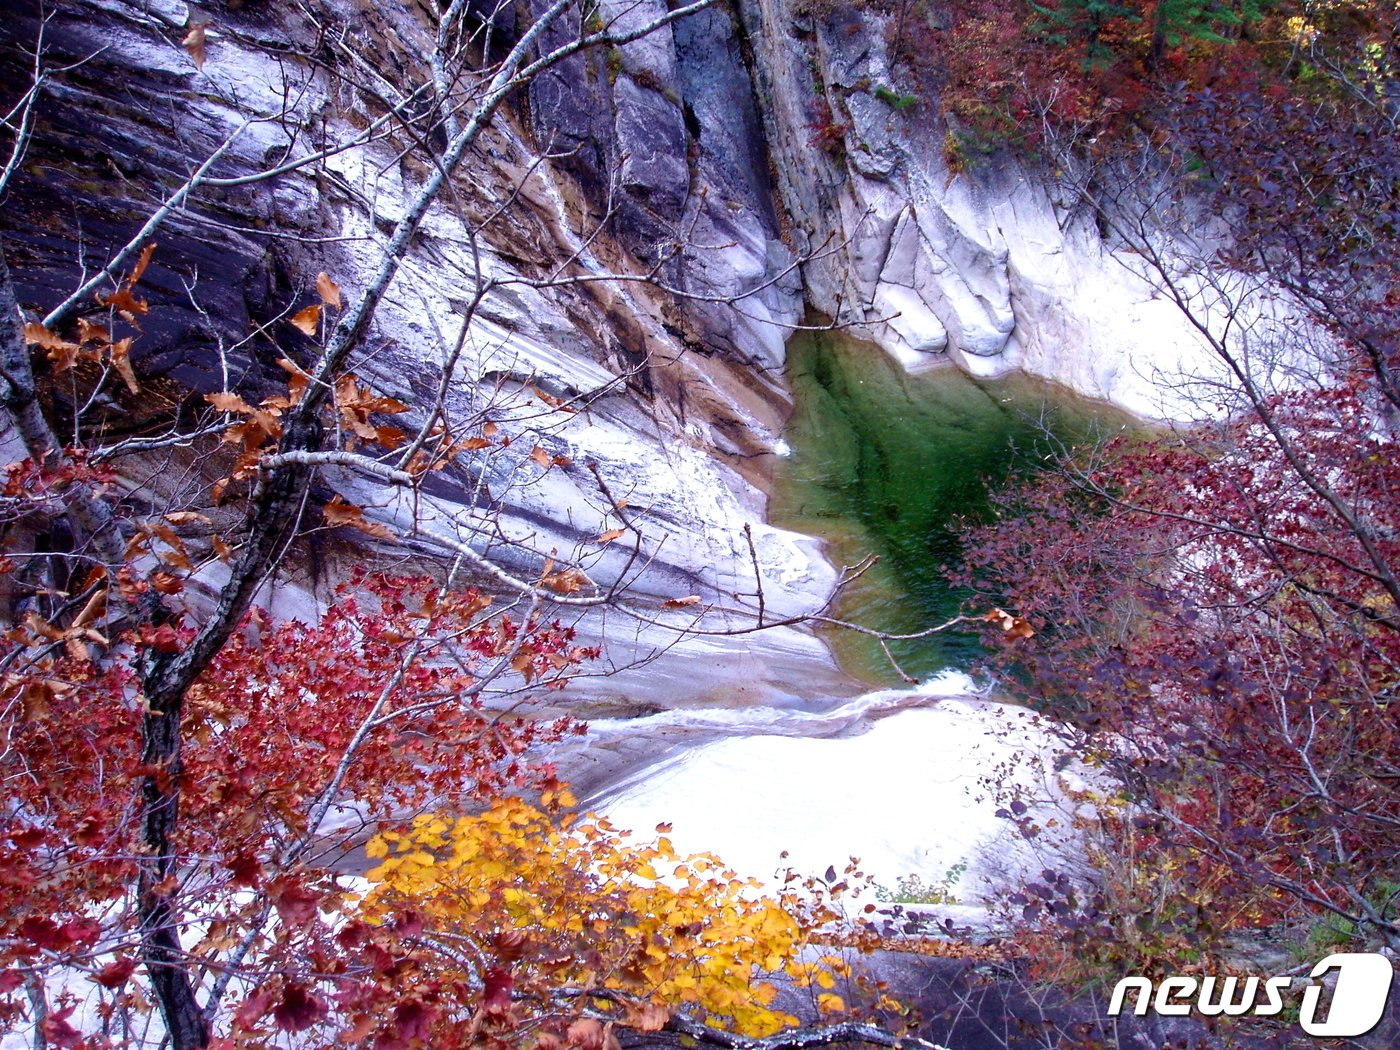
(558, 911)
(1216, 612)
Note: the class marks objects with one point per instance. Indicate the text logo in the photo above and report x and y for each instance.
(1358, 1002)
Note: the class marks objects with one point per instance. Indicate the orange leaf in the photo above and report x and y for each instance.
(567, 582)
(541, 457)
(328, 290)
(142, 262)
(475, 443)
(305, 321)
(227, 402)
(489, 429)
(611, 535)
(681, 603)
(300, 378)
(338, 512)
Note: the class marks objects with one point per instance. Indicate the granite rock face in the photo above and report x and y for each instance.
(648, 159)
(688, 156)
(981, 261)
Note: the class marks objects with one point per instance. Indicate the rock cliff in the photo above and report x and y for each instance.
(696, 156)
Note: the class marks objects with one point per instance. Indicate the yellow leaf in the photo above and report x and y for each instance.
(831, 1003)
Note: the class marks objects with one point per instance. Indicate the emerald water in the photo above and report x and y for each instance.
(891, 464)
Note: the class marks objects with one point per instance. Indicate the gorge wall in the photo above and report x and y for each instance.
(743, 158)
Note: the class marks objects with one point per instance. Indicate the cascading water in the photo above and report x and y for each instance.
(906, 779)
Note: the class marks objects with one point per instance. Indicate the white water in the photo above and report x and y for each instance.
(909, 781)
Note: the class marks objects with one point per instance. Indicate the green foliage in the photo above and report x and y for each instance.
(912, 889)
(894, 99)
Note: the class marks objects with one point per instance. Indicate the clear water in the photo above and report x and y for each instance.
(891, 464)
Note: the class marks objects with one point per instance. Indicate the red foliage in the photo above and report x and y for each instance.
(299, 740)
(1220, 613)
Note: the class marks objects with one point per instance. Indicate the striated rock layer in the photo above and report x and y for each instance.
(689, 156)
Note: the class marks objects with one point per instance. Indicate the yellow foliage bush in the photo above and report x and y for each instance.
(577, 913)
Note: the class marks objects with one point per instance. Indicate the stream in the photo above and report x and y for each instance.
(906, 778)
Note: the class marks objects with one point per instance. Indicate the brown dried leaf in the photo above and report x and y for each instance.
(227, 402)
(124, 303)
(306, 321)
(194, 44)
(489, 429)
(569, 581)
(222, 550)
(1019, 628)
(1014, 626)
(681, 603)
(121, 361)
(328, 290)
(586, 1034)
(61, 352)
(142, 262)
(338, 512)
(473, 443)
(652, 1018)
(611, 535)
(296, 386)
(542, 457)
(95, 607)
(166, 583)
(177, 555)
(89, 332)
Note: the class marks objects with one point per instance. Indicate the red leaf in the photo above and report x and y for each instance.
(245, 869)
(499, 984)
(114, 974)
(42, 933)
(413, 1020)
(298, 1010)
(254, 1007)
(296, 904)
(58, 1031)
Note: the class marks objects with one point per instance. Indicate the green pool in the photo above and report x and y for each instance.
(887, 463)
